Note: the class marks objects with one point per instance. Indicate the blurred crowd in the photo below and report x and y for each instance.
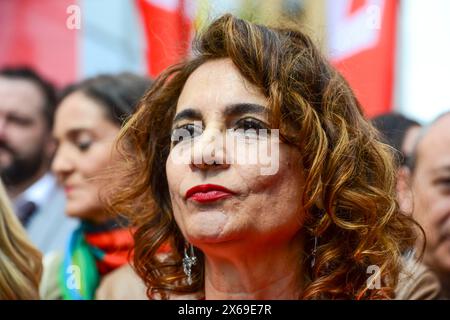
(59, 238)
(54, 147)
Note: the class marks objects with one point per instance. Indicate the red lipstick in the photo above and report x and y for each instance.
(208, 193)
(68, 189)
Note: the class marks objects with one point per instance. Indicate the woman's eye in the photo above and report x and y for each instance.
(251, 126)
(186, 132)
(84, 145)
(444, 182)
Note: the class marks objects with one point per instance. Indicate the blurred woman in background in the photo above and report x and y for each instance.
(20, 261)
(87, 122)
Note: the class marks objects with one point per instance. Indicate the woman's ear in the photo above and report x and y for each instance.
(404, 190)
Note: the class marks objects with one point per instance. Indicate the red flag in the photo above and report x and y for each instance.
(168, 31)
(362, 42)
(35, 33)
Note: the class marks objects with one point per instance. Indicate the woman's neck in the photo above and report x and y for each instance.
(103, 221)
(270, 272)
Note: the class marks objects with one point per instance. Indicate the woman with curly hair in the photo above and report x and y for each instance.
(321, 223)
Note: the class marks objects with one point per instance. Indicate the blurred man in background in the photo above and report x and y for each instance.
(417, 282)
(429, 179)
(27, 105)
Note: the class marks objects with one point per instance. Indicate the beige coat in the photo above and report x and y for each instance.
(417, 282)
(120, 284)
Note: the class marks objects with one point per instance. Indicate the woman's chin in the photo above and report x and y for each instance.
(207, 227)
(76, 212)
(73, 213)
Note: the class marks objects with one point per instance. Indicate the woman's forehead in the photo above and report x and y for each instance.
(215, 85)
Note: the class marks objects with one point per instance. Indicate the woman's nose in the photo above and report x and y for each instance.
(209, 151)
(61, 164)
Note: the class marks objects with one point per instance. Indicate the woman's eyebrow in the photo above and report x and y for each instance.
(444, 170)
(74, 132)
(237, 109)
(188, 114)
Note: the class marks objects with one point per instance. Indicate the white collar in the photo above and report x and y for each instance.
(40, 191)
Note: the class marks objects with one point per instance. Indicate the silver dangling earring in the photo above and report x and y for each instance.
(313, 253)
(189, 260)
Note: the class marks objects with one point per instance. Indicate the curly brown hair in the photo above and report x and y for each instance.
(349, 192)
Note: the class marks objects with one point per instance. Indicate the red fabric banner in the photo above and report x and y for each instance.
(168, 31)
(34, 33)
(363, 47)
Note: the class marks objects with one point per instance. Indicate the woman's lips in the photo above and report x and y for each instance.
(208, 193)
(68, 189)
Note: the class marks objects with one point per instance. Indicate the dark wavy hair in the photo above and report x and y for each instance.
(393, 128)
(349, 194)
(117, 94)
